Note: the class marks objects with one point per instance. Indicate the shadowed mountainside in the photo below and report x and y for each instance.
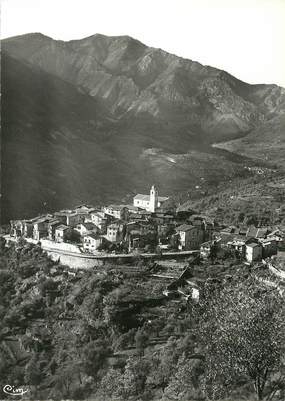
(98, 118)
(133, 79)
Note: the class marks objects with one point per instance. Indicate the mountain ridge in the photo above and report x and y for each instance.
(131, 78)
(107, 116)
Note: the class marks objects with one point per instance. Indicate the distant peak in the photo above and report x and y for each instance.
(32, 35)
(109, 39)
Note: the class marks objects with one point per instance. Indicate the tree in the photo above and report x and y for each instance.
(141, 340)
(63, 380)
(33, 374)
(185, 384)
(94, 356)
(112, 384)
(242, 330)
(213, 251)
(135, 376)
(163, 365)
(125, 340)
(2, 245)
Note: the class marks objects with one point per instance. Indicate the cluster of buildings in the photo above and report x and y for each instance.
(249, 243)
(150, 223)
(144, 225)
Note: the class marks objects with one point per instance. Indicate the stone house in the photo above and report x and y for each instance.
(40, 227)
(51, 228)
(190, 237)
(269, 247)
(62, 233)
(28, 228)
(99, 219)
(238, 245)
(162, 218)
(133, 209)
(115, 232)
(183, 286)
(163, 230)
(134, 239)
(86, 228)
(279, 237)
(91, 242)
(85, 209)
(16, 228)
(253, 252)
(70, 217)
(119, 212)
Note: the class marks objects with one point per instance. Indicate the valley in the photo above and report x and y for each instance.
(96, 120)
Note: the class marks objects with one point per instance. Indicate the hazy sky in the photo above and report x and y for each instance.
(244, 37)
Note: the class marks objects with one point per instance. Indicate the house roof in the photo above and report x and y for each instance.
(114, 225)
(84, 206)
(184, 227)
(93, 235)
(42, 220)
(89, 225)
(252, 245)
(135, 232)
(225, 238)
(98, 213)
(54, 222)
(145, 212)
(132, 208)
(62, 227)
(206, 244)
(229, 230)
(65, 213)
(257, 232)
(117, 207)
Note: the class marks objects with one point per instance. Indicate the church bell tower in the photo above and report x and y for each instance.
(153, 199)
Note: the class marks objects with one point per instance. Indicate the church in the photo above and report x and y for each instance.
(150, 202)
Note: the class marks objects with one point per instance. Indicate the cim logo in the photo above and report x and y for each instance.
(15, 391)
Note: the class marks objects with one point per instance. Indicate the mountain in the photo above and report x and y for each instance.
(100, 118)
(266, 142)
(133, 79)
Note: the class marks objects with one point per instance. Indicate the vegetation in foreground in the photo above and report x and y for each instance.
(112, 335)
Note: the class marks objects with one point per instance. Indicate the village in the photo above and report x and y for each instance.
(161, 262)
(150, 224)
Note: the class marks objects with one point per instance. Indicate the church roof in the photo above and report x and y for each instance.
(142, 197)
(147, 197)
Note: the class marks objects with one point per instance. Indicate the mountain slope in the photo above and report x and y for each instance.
(61, 147)
(99, 119)
(265, 143)
(133, 79)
